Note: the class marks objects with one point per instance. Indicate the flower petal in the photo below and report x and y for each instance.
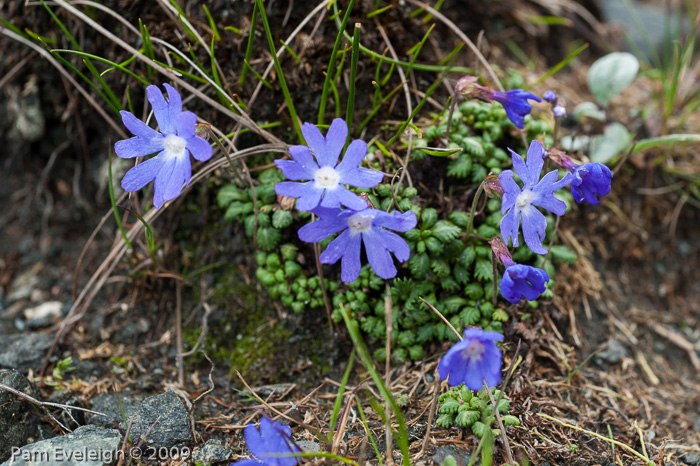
(535, 162)
(394, 243)
(397, 222)
(294, 170)
(510, 225)
(342, 196)
(247, 462)
(534, 229)
(138, 146)
(361, 177)
(379, 258)
(160, 110)
(311, 198)
(323, 228)
(326, 150)
(199, 148)
(253, 439)
(137, 127)
(142, 174)
(174, 102)
(354, 155)
(185, 124)
(302, 155)
(511, 190)
(175, 173)
(291, 189)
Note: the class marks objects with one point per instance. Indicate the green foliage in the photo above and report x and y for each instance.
(460, 407)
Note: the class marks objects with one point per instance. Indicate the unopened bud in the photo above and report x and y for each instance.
(559, 111)
(550, 96)
(492, 187)
(463, 85)
(500, 250)
(202, 130)
(286, 203)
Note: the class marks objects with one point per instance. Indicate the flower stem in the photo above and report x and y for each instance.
(472, 213)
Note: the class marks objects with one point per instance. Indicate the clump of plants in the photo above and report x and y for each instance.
(460, 407)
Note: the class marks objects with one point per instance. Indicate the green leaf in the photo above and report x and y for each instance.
(467, 418)
(445, 231)
(453, 303)
(509, 420)
(470, 316)
(282, 219)
(441, 268)
(416, 352)
(500, 315)
(419, 264)
(483, 270)
(611, 74)
(460, 167)
(459, 218)
(466, 393)
(268, 238)
(460, 274)
(503, 406)
(434, 246)
(291, 269)
(228, 194)
(473, 147)
(487, 231)
(615, 139)
(474, 290)
(238, 209)
(429, 217)
(467, 257)
(478, 428)
(445, 421)
(563, 254)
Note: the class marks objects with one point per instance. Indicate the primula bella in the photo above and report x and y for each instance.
(473, 360)
(368, 226)
(326, 174)
(523, 281)
(171, 168)
(550, 96)
(271, 445)
(519, 203)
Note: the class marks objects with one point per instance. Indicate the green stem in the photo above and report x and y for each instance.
(470, 224)
(353, 77)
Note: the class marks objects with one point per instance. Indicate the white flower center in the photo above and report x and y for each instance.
(174, 145)
(474, 350)
(327, 177)
(359, 223)
(524, 199)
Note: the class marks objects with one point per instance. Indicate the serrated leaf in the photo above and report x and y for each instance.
(449, 407)
(487, 231)
(425, 333)
(460, 274)
(483, 270)
(419, 264)
(474, 290)
(466, 393)
(563, 254)
(500, 315)
(452, 303)
(268, 238)
(228, 194)
(478, 428)
(434, 245)
(445, 231)
(282, 219)
(467, 257)
(459, 218)
(416, 352)
(470, 316)
(473, 146)
(460, 167)
(467, 418)
(429, 217)
(441, 268)
(611, 74)
(445, 421)
(503, 406)
(509, 420)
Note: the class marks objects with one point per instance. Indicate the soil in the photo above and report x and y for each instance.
(616, 352)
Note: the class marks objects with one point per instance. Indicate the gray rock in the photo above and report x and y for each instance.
(87, 446)
(19, 425)
(168, 417)
(309, 446)
(693, 459)
(212, 452)
(613, 353)
(23, 285)
(107, 403)
(24, 351)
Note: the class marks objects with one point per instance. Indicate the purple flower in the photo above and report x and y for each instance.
(325, 173)
(520, 203)
(271, 445)
(171, 168)
(365, 226)
(474, 359)
(516, 104)
(550, 96)
(559, 111)
(523, 281)
(590, 179)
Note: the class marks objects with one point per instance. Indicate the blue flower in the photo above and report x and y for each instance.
(271, 445)
(474, 359)
(523, 281)
(550, 96)
(364, 226)
(590, 179)
(325, 173)
(171, 168)
(516, 104)
(520, 203)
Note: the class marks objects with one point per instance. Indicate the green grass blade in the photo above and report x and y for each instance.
(354, 331)
(369, 432)
(339, 399)
(666, 140)
(147, 46)
(374, 13)
(350, 106)
(212, 23)
(249, 48)
(117, 217)
(559, 65)
(118, 66)
(331, 63)
(291, 52)
(280, 73)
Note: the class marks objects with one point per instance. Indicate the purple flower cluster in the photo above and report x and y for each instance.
(324, 195)
(271, 445)
(519, 281)
(171, 168)
(589, 179)
(473, 360)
